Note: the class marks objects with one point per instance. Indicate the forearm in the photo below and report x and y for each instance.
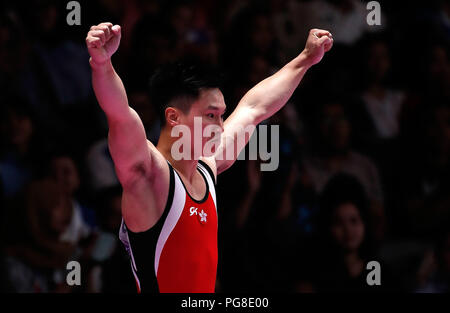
(109, 90)
(258, 104)
(271, 94)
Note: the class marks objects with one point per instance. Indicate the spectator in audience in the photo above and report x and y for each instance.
(377, 113)
(56, 229)
(332, 153)
(346, 243)
(37, 257)
(22, 151)
(65, 172)
(381, 103)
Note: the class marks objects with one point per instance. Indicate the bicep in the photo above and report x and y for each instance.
(145, 196)
(128, 146)
(238, 128)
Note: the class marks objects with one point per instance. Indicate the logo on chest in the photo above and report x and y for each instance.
(200, 215)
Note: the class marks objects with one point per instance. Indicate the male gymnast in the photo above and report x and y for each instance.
(169, 210)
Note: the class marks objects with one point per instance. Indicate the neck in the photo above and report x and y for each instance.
(187, 168)
(354, 263)
(352, 257)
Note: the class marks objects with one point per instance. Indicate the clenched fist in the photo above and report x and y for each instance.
(319, 41)
(102, 41)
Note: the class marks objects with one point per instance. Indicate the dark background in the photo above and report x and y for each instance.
(364, 143)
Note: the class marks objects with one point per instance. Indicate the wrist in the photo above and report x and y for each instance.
(305, 59)
(95, 65)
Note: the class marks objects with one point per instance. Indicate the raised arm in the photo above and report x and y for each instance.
(136, 160)
(127, 140)
(269, 96)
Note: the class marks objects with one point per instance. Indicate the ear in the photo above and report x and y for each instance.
(172, 116)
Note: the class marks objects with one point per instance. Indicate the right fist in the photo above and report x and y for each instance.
(102, 41)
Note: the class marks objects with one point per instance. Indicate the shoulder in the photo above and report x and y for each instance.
(146, 198)
(211, 166)
(159, 164)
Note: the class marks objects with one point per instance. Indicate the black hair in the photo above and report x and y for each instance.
(344, 188)
(182, 80)
(13, 105)
(56, 150)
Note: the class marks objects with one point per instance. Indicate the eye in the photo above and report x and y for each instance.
(210, 115)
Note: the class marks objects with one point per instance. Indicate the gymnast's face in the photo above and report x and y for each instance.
(206, 114)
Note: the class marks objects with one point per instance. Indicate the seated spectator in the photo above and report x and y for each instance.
(21, 150)
(333, 153)
(382, 103)
(377, 114)
(65, 172)
(56, 229)
(39, 253)
(345, 242)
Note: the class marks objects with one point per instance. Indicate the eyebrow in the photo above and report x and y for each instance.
(213, 107)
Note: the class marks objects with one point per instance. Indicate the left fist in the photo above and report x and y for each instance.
(319, 41)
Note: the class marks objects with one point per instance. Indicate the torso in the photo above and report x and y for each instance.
(179, 253)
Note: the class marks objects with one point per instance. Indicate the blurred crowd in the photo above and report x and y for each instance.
(364, 143)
